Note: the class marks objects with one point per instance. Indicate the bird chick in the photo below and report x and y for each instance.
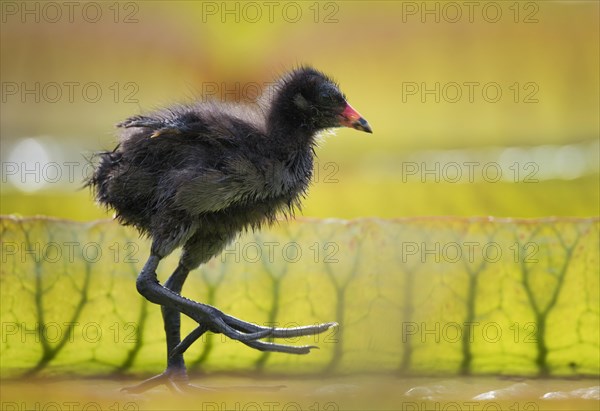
(195, 176)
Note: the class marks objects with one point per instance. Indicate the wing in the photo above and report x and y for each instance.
(197, 155)
(203, 191)
(173, 121)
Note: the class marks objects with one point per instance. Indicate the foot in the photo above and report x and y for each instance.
(178, 382)
(211, 319)
(251, 334)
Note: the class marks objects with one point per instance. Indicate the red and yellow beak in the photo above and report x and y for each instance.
(351, 118)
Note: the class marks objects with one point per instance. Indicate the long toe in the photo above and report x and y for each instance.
(274, 347)
(174, 379)
(278, 332)
(251, 334)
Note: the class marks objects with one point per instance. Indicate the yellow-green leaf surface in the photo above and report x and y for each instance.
(413, 296)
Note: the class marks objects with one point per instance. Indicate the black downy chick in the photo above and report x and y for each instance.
(194, 176)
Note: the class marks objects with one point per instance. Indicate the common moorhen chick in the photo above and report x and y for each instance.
(194, 176)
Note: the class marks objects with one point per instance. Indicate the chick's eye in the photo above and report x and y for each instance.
(325, 96)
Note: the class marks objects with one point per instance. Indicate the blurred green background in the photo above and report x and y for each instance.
(476, 109)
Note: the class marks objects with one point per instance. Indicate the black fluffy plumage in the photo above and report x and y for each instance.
(195, 175)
